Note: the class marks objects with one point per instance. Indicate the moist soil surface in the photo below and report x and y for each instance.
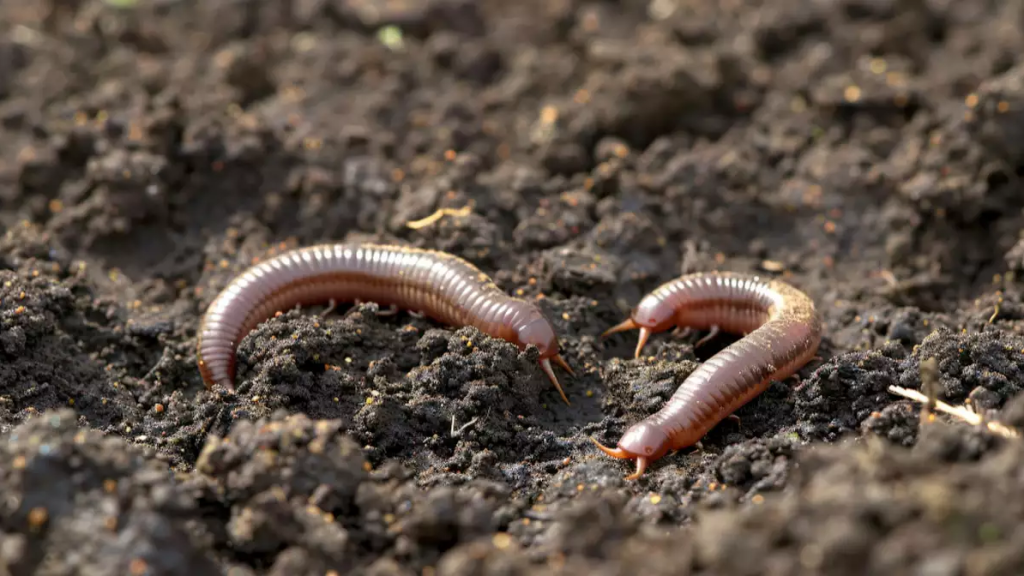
(867, 152)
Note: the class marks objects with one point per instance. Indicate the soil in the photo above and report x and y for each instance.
(868, 152)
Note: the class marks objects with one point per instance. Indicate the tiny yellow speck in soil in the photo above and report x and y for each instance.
(38, 516)
(138, 567)
(501, 540)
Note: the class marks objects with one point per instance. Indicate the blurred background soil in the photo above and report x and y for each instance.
(867, 151)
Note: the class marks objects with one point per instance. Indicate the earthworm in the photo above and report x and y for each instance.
(440, 285)
(782, 332)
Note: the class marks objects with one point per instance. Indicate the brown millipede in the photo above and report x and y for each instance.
(783, 331)
(440, 285)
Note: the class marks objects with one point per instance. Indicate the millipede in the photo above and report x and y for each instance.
(437, 284)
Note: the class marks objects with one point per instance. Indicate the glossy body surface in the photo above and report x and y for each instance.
(782, 333)
(439, 285)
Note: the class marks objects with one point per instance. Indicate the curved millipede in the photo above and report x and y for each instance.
(783, 331)
(439, 285)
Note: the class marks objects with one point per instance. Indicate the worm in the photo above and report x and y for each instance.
(439, 285)
(782, 332)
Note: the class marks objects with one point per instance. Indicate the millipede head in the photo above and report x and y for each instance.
(627, 324)
(545, 365)
(621, 454)
(645, 333)
(643, 442)
(557, 359)
(539, 332)
(630, 324)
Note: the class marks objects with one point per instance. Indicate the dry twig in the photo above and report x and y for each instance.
(961, 412)
(437, 215)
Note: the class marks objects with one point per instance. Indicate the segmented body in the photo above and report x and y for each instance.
(782, 333)
(441, 286)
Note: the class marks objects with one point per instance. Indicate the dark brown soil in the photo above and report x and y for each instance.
(868, 151)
